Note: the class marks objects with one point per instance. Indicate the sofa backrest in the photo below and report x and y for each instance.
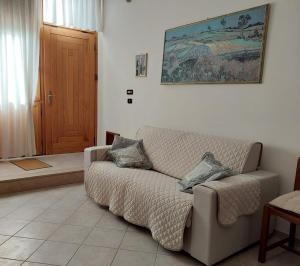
(176, 153)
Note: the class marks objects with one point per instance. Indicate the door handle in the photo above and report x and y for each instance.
(50, 97)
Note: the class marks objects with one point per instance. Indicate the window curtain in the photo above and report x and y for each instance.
(20, 22)
(80, 14)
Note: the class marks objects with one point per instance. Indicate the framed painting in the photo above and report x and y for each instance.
(225, 49)
(141, 65)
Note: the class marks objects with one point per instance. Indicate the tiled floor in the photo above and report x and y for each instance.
(70, 162)
(61, 226)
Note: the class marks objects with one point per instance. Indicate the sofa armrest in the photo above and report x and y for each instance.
(91, 154)
(206, 238)
(205, 198)
(269, 183)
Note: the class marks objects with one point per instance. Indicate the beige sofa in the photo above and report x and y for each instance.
(173, 154)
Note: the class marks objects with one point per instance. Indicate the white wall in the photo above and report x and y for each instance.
(267, 112)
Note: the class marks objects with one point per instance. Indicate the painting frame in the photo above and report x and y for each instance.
(261, 55)
(141, 73)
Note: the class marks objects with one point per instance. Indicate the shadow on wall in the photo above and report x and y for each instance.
(283, 162)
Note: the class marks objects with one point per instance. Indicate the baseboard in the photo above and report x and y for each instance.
(37, 182)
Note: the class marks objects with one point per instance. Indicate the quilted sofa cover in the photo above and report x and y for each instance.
(152, 198)
(175, 153)
(143, 197)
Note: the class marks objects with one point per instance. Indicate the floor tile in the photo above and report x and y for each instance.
(54, 216)
(90, 205)
(16, 199)
(249, 256)
(178, 255)
(139, 241)
(41, 201)
(232, 261)
(11, 226)
(286, 259)
(71, 234)
(54, 253)
(19, 248)
(175, 260)
(6, 209)
(105, 237)
(77, 188)
(7, 262)
(133, 258)
(38, 230)
(112, 221)
(93, 256)
(35, 264)
(77, 193)
(71, 203)
(162, 250)
(84, 218)
(136, 228)
(57, 192)
(3, 239)
(137, 246)
(26, 213)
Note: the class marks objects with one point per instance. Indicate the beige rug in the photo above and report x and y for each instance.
(30, 164)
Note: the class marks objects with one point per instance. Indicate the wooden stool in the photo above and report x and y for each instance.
(286, 207)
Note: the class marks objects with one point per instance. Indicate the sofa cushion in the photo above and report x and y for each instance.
(121, 142)
(132, 156)
(143, 197)
(176, 153)
(209, 169)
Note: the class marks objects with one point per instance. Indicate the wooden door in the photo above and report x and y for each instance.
(69, 89)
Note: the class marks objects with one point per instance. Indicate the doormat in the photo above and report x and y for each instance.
(30, 164)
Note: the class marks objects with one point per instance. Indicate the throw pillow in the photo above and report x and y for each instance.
(132, 156)
(208, 169)
(120, 143)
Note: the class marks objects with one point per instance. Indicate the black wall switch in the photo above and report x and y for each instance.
(129, 100)
(129, 92)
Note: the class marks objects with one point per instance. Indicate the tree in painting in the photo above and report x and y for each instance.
(226, 49)
(223, 22)
(243, 21)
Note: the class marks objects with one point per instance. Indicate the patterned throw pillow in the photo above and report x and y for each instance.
(120, 143)
(208, 169)
(132, 156)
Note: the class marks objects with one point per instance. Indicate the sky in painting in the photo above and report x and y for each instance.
(257, 15)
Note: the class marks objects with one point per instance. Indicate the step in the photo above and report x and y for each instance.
(66, 169)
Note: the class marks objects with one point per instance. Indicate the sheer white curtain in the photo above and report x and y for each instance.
(20, 22)
(81, 14)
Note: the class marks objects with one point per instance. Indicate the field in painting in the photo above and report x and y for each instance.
(224, 49)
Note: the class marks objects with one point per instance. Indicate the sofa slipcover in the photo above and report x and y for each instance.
(145, 198)
(176, 153)
(173, 154)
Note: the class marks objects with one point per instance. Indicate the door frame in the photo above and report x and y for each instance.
(41, 130)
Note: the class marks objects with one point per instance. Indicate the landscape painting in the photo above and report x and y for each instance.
(225, 49)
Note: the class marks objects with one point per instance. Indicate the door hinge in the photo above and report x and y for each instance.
(96, 77)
